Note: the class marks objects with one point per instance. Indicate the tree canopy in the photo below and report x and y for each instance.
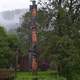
(58, 35)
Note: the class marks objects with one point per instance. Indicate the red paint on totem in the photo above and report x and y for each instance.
(34, 36)
(34, 13)
(34, 64)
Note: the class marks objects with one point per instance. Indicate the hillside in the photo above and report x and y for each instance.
(11, 19)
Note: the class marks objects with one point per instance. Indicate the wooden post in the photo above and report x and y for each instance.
(33, 51)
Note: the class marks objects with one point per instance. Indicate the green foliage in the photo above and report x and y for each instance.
(62, 45)
(7, 53)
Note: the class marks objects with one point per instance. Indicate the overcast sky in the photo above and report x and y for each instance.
(14, 4)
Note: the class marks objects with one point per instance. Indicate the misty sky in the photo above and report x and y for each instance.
(13, 4)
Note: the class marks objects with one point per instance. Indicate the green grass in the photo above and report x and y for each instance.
(48, 75)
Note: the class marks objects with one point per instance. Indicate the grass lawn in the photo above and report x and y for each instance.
(48, 75)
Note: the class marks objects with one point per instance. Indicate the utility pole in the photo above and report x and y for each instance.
(33, 53)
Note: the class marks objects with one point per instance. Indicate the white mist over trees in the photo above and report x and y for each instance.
(11, 19)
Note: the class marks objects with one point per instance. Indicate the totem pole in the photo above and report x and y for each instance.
(33, 50)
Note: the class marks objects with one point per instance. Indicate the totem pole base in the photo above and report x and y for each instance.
(35, 78)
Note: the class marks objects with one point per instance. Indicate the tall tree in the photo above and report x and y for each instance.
(66, 28)
(7, 49)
